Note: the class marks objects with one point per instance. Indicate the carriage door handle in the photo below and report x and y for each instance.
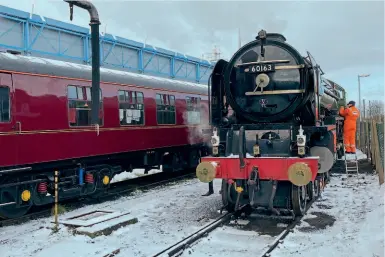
(18, 122)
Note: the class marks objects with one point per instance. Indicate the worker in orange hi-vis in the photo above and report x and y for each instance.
(351, 114)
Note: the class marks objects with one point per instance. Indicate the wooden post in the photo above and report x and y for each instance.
(364, 141)
(367, 141)
(56, 199)
(378, 162)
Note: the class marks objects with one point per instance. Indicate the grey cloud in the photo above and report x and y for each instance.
(338, 34)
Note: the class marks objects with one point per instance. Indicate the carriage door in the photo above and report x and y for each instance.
(9, 128)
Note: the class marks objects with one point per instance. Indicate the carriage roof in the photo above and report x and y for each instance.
(39, 65)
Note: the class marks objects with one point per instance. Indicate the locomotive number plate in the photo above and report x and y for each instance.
(268, 67)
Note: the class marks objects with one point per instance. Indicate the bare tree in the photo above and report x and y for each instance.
(376, 110)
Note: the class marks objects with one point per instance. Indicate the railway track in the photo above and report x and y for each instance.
(116, 190)
(178, 248)
(279, 239)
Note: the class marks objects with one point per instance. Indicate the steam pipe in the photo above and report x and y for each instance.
(331, 94)
(338, 87)
(94, 23)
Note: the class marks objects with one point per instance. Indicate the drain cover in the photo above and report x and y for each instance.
(90, 215)
(90, 218)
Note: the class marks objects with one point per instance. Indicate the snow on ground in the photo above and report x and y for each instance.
(134, 174)
(165, 215)
(349, 222)
(359, 153)
(229, 241)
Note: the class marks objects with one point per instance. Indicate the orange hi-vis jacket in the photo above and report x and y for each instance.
(351, 115)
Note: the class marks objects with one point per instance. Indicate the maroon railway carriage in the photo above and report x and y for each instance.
(45, 117)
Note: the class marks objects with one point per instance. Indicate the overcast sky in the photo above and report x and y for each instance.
(346, 38)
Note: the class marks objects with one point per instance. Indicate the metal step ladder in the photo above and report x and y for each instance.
(351, 165)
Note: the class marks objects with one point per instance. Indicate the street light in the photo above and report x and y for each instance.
(359, 90)
(359, 106)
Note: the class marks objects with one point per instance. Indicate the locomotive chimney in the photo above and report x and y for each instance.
(94, 23)
(275, 36)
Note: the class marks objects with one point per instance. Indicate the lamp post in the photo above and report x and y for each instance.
(359, 107)
(359, 90)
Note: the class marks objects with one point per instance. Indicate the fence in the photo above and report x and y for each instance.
(370, 136)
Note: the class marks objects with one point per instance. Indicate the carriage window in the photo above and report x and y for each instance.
(193, 110)
(165, 109)
(131, 107)
(5, 115)
(79, 106)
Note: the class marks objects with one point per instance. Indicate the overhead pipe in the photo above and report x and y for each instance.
(95, 45)
(331, 94)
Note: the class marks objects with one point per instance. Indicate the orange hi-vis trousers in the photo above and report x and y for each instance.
(350, 141)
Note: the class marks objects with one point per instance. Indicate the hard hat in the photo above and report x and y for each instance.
(352, 103)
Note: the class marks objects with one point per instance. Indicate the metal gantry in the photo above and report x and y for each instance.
(41, 36)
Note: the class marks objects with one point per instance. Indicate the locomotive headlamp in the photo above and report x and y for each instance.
(215, 142)
(301, 138)
(301, 142)
(215, 138)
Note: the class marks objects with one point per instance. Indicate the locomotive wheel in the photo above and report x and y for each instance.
(310, 190)
(327, 177)
(225, 199)
(298, 198)
(317, 188)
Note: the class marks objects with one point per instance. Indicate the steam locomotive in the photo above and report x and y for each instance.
(276, 129)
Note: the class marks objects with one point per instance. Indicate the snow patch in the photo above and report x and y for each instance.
(134, 174)
(358, 230)
(165, 215)
(360, 156)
